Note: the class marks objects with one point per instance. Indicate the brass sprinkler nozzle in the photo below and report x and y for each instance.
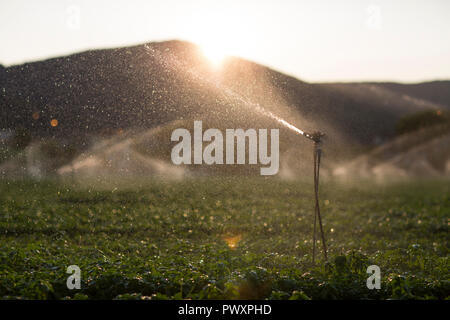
(316, 136)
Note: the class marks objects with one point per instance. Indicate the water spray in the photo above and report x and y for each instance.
(316, 136)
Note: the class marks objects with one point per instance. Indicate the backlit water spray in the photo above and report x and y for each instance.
(316, 137)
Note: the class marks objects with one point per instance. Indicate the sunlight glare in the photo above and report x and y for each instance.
(221, 34)
(214, 52)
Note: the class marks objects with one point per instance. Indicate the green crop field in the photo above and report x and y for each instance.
(230, 238)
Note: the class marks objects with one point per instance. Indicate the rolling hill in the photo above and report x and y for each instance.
(101, 93)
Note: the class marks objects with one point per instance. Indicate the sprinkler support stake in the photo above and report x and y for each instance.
(316, 137)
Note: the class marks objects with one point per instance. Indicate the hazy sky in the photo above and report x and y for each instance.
(313, 40)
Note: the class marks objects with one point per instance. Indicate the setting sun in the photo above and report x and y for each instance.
(215, 53)
(222, 34)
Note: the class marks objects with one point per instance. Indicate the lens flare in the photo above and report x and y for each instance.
(233, 241)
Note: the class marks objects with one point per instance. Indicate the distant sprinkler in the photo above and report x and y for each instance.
(316, 137)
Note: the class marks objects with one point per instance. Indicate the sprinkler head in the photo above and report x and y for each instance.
(316, 136)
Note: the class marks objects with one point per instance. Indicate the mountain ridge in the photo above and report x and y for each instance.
(104, 91)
